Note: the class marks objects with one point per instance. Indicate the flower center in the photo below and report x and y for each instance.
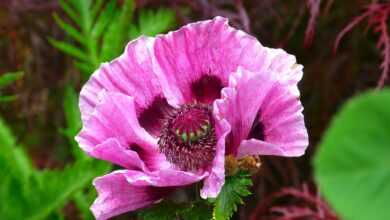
(188, 138)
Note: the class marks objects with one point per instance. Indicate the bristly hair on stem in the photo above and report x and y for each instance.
(377, 15)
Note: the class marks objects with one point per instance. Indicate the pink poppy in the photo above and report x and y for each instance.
(170, 108)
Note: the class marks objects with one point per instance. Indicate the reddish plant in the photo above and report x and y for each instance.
(293, 204)
(377, 15)
(314, 10)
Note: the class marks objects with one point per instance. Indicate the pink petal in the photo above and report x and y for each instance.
(204, 49)
(213, 183)
(285, 67)
(132, 74)
(113, 128)
(284, 127)
(116, 196)
(111, 150)
(163, 178)
(241, 102)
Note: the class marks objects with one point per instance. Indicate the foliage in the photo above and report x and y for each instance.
(231, 195)
(377, 16)
(73, 120)
(100, 32)
(293, 203)
(83, 198)
(221, 208)
(36, 194)
(101, 29)
(163, 211)
(352, 164)
(7, 79)
(168, 210)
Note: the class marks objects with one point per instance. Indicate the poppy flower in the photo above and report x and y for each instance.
(170, 108)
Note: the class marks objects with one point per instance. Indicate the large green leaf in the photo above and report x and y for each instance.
(45, 192)
(352, 166)
(13, 159)
(31, 194)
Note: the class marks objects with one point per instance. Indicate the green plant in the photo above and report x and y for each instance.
(221, 208)
(352, 164)
(101, 29)
(38, 194)
(7, 79)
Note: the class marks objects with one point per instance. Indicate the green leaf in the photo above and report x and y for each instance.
(33, 194)
(197, 211)
(69, 49)
(7, 79)
(165, 210)
(8, 98)
(46, 191)
(352, 165)
(72, 112)
(54, 188)
(96, 7)
(105, 29)
(69, 10)
(73, 120)
(161, 211)
(83, 201)
(152, 22)
(85, 68)
(104, 19)
(69, 29)
(13, 160)
(115, 38)
(230, 197)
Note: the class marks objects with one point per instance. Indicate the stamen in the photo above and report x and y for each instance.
(188, 138)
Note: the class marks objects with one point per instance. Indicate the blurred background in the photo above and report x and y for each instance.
(49, 48)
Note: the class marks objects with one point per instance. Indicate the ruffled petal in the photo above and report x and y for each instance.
(111, 150)
(214, 182)
(241, 102)
(285, 68)
(116, 196)
(284, 128)
(133, 74)
(163, 178)
(199, 54)
(113, 128)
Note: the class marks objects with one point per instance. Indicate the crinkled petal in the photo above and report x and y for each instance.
(113, 128)
(111, 150)
(284, 128)
(163, 178)
(285, 67)
(241, 101)
(209, 47)
(214, 182)
(116, 196)
(134, 74)
(131, 74)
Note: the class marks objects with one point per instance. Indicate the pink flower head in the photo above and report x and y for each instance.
(170, 108)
